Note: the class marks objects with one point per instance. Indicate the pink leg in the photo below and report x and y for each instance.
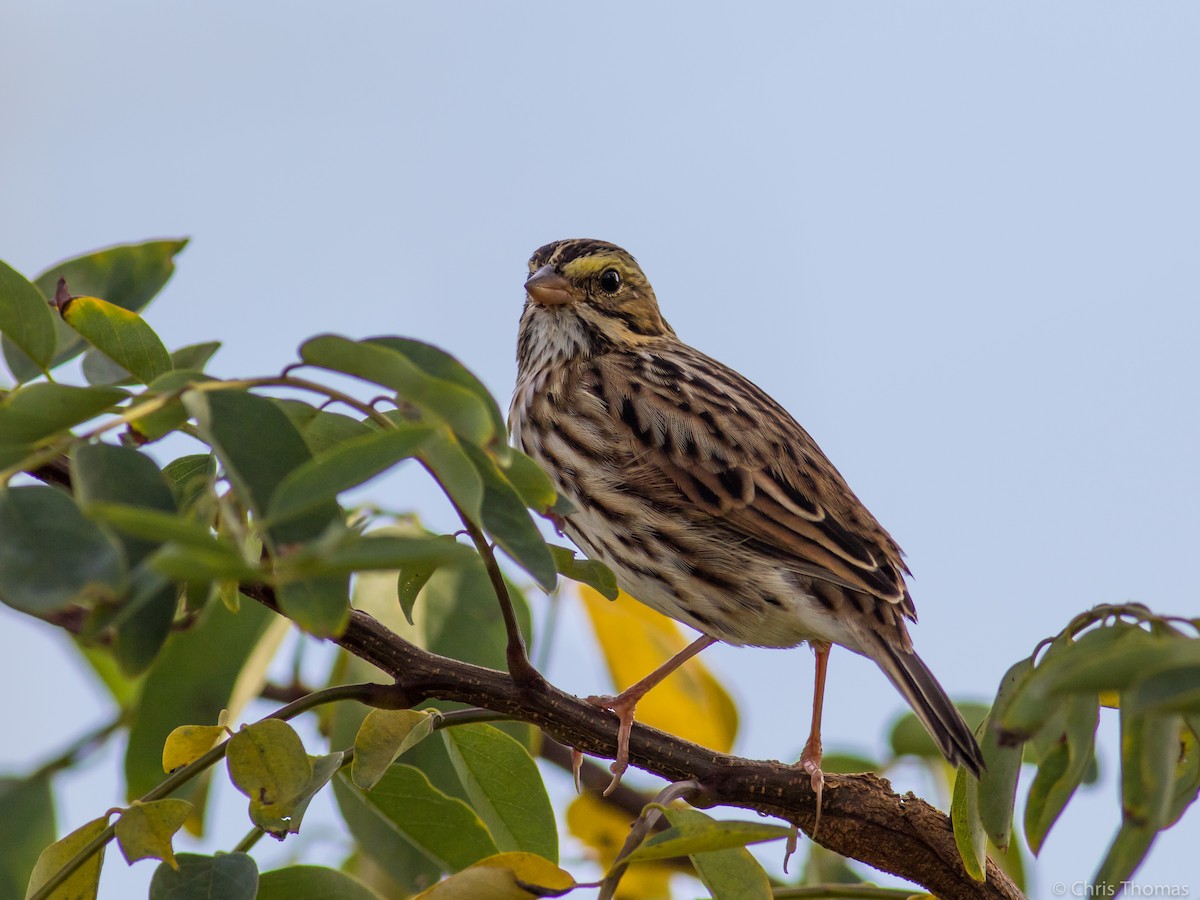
(625, 702)
(810, 758)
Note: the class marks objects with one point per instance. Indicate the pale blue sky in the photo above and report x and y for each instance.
(958, 241)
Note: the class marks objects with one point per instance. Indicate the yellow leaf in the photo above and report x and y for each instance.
(603, 828)
(635, 640)
(188, 743)
(144, 831)
(84, 883)
(382, 737)
(500, 877)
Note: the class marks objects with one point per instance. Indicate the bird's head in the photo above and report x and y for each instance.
(586, 297)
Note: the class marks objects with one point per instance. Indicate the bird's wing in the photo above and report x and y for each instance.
(738, 457)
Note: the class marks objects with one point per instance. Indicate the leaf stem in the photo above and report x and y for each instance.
(519, 667)
(522, 671)
(253, 836)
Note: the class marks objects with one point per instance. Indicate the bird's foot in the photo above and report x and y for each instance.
(810, 762)
(623, 706)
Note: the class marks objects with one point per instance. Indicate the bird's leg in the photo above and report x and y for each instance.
(625, 702)
(810, 758)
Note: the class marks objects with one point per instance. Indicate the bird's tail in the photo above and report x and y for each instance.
(914, 680)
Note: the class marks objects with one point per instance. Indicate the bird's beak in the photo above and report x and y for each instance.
(547, 288)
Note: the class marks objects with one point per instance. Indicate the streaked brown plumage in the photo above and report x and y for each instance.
(704, 496)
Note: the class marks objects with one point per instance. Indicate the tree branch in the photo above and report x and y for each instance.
(862, 818)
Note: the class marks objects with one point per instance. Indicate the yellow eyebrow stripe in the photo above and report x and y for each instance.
(585, 266)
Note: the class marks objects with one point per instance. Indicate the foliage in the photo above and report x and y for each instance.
(173, 517)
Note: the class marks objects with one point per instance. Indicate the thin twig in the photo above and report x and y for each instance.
(84, 745)
(523, 673)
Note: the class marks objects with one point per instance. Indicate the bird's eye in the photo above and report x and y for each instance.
(610, 281)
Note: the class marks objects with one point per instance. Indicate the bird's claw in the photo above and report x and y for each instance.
(623, 709)
(810, 762)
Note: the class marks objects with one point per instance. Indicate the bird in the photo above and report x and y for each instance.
(706, 499)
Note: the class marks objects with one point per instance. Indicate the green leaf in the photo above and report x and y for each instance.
(229, 876)
(1150, 749)
(38, 411)
(25, 828)
(412, 579)
(731, 874)
(267, 762)
(354, 462)
(848, 764)
(1120, 667)
(456, 473)
(103, 473)
(171, 414)
(98, 369)
(26, 323)
(345, 551)
(461, 617)
(155, 526)
(695, 836)
(194, 356)
(1060, 669)
(192, 553)
(1172, 690)
(286, 818)
(193, 563)
(1062, 771)
(997, 790)
(442, 365)
(258, 447)
(1125, 854)
(144, 831)
(383, 735)
(377, 839)
(320, 604)
(121, 335)
(191, 682)
(85, 881)
(969, 834)
(505, 518)
(1187, 771)
(311, 883)
(190, 477)
(910, 738)
(50, 555)
(531, 482)
(440, 399)
(143, 622)
(443, 828)
(128, 275)
(589, 572)
(505, 788)
(322, 430)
